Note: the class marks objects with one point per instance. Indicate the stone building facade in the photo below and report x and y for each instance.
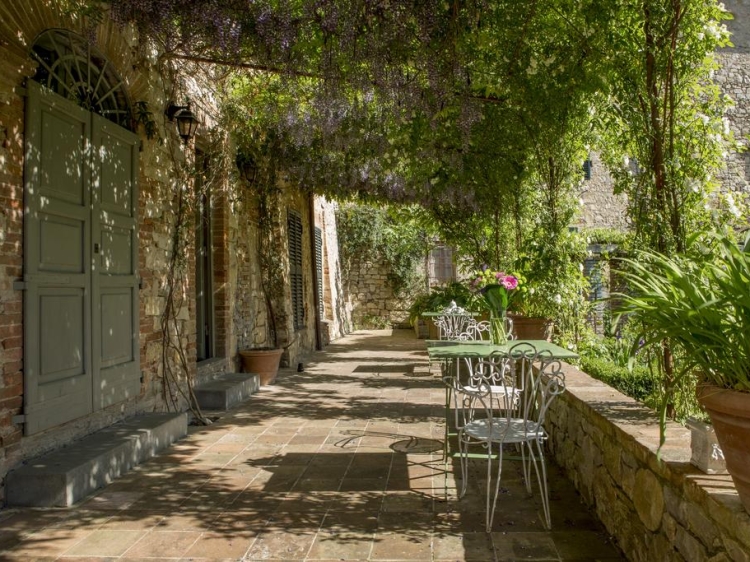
(600, 206)
(733, 77)
(89, 259)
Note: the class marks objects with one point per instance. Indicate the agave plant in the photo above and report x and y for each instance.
(700, 303)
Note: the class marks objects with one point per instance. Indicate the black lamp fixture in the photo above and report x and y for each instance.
(187, 122)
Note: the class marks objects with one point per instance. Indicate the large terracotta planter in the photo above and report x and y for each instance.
(730, 415)
(528, 328)
(263, 362)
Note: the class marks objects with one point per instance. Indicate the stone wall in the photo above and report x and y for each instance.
(371, 302)
(734, 79)
(600, 207)
(657, 509)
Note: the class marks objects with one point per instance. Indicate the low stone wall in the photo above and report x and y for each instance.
(656, 509)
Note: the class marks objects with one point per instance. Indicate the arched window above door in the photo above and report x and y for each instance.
(72, 68)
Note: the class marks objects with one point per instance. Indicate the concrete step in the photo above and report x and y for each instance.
(64, 476)
(226, 390)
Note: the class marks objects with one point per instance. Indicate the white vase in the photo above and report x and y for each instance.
(706, 453)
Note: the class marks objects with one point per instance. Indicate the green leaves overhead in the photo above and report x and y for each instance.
(450, 103)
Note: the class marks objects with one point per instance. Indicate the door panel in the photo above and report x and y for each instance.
(61, 323)
(114, 281)
(61, 244)
(117, 326)
(61, 161)
(57, 309)
(117, 250)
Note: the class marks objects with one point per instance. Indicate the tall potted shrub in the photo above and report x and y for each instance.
(701, 305)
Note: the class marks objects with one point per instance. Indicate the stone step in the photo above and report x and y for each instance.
(226, 390)
(64, 476)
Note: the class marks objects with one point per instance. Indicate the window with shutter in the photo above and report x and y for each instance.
(204, 307)
(319, 268)
(442, 269)
(294, 227)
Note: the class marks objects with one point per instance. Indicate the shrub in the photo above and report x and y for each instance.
(637, 383)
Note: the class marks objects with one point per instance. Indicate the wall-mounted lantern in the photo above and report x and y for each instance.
(186, 121)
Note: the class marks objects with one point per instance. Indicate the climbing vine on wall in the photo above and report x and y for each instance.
(377, 233)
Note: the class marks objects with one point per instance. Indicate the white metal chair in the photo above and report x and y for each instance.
(453, 321)
(514, 413)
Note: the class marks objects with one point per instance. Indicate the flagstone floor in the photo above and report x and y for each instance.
(340, 462)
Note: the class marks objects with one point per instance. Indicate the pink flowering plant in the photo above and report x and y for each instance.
(497, 288)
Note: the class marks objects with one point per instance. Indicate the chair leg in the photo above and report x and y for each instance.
(492, 505)
(541, 476)
(526, 465)
(464, 461)
(543, 488)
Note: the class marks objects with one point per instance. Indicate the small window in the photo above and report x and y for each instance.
(442, 268)
(294, 225)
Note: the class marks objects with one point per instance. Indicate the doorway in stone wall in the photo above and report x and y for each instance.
(81, 351)
(204, 302)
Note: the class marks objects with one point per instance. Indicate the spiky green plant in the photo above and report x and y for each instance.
(699, 303)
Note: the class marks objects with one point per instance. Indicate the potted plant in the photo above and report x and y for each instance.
(437, 299)
(700, 304)
(531, 311)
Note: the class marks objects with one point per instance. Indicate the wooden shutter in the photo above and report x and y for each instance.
(294, 225)
(319, 268)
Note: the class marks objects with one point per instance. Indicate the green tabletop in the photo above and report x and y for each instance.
(449, 313)
(450, 349)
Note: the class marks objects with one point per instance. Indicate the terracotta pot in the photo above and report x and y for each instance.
(730, 415)
(526, 328)
(432, 330)
(263, 362)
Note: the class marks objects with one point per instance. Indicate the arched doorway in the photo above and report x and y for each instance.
(81, 349)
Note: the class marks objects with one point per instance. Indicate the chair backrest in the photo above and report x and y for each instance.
(452, 322)
(518, 385)
(475, 331)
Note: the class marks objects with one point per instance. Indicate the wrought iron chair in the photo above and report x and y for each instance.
(530, 381)
(453, 321)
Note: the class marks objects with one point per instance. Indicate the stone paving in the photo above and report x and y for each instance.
(340, 462)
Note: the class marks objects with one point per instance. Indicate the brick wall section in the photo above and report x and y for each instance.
(657, 510)
(220, 251)
(11, 260)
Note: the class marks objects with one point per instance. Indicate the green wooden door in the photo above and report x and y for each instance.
(115, 262)
(80, 303)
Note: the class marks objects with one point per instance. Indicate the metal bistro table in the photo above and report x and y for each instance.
(450, 352)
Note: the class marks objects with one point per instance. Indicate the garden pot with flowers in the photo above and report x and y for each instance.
(497, 288)
(700, 305)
